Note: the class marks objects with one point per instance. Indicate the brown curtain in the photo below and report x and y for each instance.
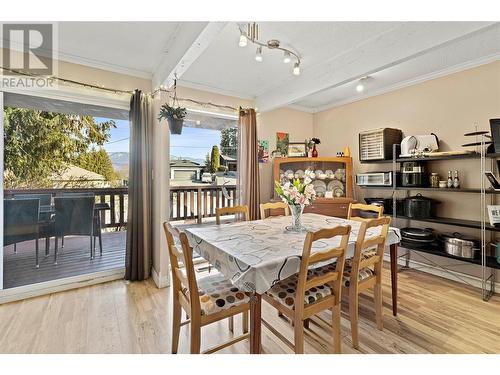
(248, 163)
(139, 215)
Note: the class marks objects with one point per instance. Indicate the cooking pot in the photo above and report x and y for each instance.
(418, 236)
(460, 246)
(419, 207)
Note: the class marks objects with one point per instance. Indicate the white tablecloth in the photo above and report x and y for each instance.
(256, 254)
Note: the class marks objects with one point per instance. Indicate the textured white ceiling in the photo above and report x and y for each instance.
(334, 55)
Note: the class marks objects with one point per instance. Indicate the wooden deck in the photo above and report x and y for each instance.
(73, 259)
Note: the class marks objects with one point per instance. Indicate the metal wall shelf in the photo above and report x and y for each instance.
(486, 262)
(439, 251)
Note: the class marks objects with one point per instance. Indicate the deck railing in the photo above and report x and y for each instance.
(117, 198)
(186, 202)
(197, 202)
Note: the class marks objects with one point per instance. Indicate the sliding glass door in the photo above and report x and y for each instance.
(65, 190)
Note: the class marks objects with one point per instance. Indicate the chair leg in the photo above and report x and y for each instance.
(353, 316)
(195, 336)
(92, 246)
(55, 249)
(100, 243)
(231, 324)
(47, 246)
(379, 317)
(298, 337)
(62, 243)
(36, 251)
(244, 321)
(176, 325)
(337, 340)
(15, 248)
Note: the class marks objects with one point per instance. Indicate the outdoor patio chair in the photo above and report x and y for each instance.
(45, 218)
(21, 222)
(75, 216)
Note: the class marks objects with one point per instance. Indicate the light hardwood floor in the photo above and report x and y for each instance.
(435, 316)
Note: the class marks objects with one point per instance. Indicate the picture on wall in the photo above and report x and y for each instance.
(282, 140)
(297, 149)
(263, 150)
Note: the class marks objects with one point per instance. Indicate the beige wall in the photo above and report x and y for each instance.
(449, 106)
(298, 124)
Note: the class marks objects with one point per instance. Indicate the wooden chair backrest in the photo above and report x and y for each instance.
(378, 242)
(273, 206)
(182, 278)
(333, 278)
(365, 207)
(243, 210)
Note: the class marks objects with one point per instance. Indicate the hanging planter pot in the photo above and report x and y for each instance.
(175, 124)
(174, 114)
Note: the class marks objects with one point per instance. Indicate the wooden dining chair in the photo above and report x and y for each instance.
(364, 271)
(273, 206)
(236, 210)
(311, 291)
(205, 301)
(378, 210)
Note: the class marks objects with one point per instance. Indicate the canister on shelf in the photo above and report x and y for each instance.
(434, 180)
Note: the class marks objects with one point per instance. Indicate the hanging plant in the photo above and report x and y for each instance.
(174, 114)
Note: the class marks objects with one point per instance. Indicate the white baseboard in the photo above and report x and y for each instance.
(53, 286)
(161, 281)
(449, 274)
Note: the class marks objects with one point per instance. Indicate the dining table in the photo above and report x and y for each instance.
(254, 255)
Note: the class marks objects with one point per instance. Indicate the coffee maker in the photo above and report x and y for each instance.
(413, 174)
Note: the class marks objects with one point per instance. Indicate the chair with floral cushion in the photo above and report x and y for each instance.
(364, 271)
(273, 206)
(205, 301)
(311, 291)
(376, 211)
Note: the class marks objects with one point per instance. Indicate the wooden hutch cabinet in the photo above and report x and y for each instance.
(332, 181)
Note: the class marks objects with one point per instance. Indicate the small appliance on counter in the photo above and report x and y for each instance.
(413, 174)
(414, 145)
(374, 179)
(377, 144)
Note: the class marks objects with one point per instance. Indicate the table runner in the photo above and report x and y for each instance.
(256, 254)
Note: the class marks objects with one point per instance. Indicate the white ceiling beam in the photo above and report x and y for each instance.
(188, 42)
(400, 44)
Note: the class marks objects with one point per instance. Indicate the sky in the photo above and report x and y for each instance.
(193, 142)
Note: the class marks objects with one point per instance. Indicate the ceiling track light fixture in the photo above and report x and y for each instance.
(252, 35)
(360, 87)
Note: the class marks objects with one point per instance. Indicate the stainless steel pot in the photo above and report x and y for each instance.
(460, 246)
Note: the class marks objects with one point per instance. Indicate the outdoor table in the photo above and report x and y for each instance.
(255, 255)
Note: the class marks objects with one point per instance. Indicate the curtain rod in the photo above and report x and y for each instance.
(160, 89)
(116, 91)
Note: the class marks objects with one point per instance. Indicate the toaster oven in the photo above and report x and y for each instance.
(377, 144)
(374, 179)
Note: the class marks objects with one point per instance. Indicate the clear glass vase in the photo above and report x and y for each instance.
(296, 210)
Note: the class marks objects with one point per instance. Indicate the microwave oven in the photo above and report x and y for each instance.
(374, 179)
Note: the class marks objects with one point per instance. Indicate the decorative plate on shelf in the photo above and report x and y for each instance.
(319, 188)
(289, 174)
(335, 184)
(340, 174)
(299, 173)
(318, 172)
(329, 173)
